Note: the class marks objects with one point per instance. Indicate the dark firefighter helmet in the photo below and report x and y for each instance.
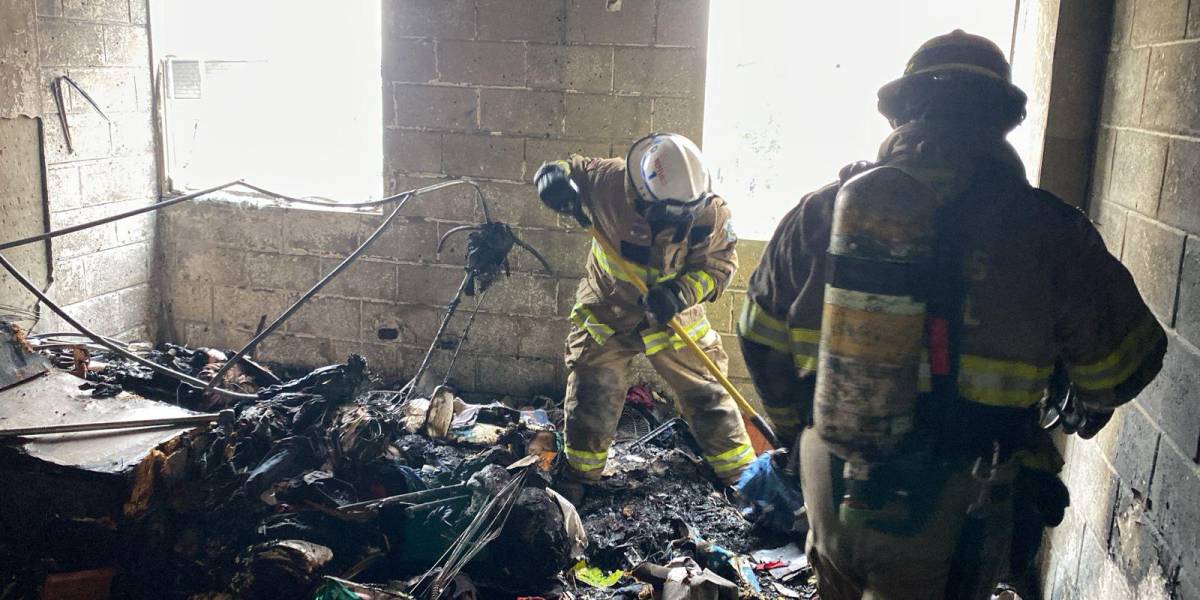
(955, 75)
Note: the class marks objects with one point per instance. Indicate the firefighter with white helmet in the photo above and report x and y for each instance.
(657, 209)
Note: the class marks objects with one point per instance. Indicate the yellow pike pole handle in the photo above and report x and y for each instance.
(766, 440)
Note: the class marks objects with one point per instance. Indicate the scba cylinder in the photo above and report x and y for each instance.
(872, 329)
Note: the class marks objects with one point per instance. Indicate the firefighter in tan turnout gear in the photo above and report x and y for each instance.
(657, 209)
(904, 322)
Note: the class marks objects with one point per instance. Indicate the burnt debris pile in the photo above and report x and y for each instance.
(327, 485)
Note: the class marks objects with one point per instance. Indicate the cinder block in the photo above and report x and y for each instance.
(518, 205)
(322, 232)
(416, 324)
(540, 151)
(1179, 204)
(408, 241)
(591, 115)
(133, 135)
(1174, 509)
(565, 250)
(1093, 488)
(684, 116)
(1135, 444)
(434, 106)
(126, 45)
(590, 21)
(522, 20)
(749, 253)
(20, 93)
(102, 272)
(1160, 21)
(723, 312)
(445, 19)
(1173, 88)
(516, 376)
(1110, 222)
(63, 188)
(522, 294)
(575, 68)
(240, 308)
(491, 333)
(189, 302)
(1106, 138)
(682, 23)
(96, 10)
(542, 338)
(430, 285)
(116, 180)
(281, 271)
(111, 87)
(1170, 398)
(737, 363)
(89, 139)
(49, 8)
(102, 314)
(363, 279)
(1061, 546)
(187, 262)
(139, 12)
(87, 241)
(1122, 23)
(491, 156)
(1137, 171)
(567, 289)
(69, 43)
(1136, 547)
(521, 111)
(1066, 168)
(408, 59)
(412, 151)
(301, 351)
(326, 317)
(1152, 254)
(659, 71)
(1099, 576)
(1124, 87)
(487, 63)
(1187, 314)
(454, 203)
(135, 229)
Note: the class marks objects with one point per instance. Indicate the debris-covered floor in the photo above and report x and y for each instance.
(328, 485)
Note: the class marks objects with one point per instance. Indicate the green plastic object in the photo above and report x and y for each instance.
(596, 577)
(332, 590)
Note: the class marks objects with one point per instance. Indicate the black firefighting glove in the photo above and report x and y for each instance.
(555, 187)
(1092, 422)
(664, 301)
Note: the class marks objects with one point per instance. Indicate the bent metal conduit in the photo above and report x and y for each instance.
(402, 199)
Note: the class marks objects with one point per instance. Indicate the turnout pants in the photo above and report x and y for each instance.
(596, 385)
(952, 556)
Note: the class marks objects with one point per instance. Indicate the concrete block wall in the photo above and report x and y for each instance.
(102, 275)
(1133, 530)
(486, 89)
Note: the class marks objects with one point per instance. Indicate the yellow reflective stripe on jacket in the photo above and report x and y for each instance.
(702, 284)
(783, 416)
(648, 275)
(586, 320)
(760, 327)
(1120, 364)
(584, 460)
(659, 340)
(806, 347)
(731, 460)
(1006, 383)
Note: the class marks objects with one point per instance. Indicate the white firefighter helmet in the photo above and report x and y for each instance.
(668, 167)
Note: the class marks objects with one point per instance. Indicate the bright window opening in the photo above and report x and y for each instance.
(791, 89)
(283, 93)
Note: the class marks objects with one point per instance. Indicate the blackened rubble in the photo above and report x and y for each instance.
(323, 475)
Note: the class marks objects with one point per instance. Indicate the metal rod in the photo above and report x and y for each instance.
(56, 309)
(432, 504)
(101, 426)
(411, 386)
(374, 203)
(410, 497)
(346, 262)
(116, 217)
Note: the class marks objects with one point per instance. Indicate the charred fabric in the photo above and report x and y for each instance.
(333, 484)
